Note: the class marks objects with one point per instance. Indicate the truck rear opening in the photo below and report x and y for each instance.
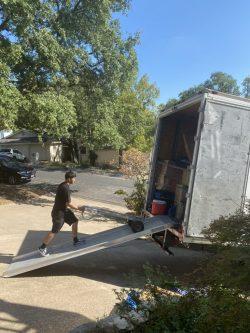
(174, 155)
(200, 162)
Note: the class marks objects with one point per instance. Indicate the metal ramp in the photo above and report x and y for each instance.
(103, 240)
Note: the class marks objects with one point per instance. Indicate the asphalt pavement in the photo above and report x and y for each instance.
(89, 184)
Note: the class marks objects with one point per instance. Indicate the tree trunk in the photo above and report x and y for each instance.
(120, 157)
(74, 150)
(92, 157)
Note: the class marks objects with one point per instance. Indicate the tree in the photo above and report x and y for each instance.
(161, 107)
(147, 93)
(123, 121)
(218, 81)
(246, 87)
(170, 103)
(62, 41)
(10, 102)
(222, 82)
(191, 92)
(48, 112)
(72, 49)
(135, 117)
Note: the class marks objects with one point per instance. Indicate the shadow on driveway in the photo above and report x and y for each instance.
(25, 318)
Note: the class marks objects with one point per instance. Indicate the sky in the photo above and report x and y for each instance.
(183, 41)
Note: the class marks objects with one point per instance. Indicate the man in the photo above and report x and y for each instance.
(61, 213)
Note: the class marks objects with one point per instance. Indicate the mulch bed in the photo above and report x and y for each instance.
(19, 193)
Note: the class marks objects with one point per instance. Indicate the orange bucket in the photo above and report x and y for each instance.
(158, 207)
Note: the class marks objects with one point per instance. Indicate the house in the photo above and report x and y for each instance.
(104, 157)
(4, 133)
(29, 144)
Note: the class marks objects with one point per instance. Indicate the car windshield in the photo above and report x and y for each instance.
(4, 150)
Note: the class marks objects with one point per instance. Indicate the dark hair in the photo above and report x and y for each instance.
(70, 174)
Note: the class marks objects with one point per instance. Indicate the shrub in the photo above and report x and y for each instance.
(212, 309)
(216, 310)
(230, 266)
(135, 165)
(136, 200)
(219, 303)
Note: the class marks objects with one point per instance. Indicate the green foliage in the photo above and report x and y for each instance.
(219, 303)
(202, 310)
(146, 93)
(63, 52)
(136, 200)
(222, 82)
(218, 81)
(246, 87)
(134, 115)
(48, 112)
(230, 231)
(191, 92)
(135, 165)
(216, 310)
(230, 266)
(10, 102)
(63, 40)
(171, 103)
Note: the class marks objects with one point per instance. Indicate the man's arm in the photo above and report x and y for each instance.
(79, 208)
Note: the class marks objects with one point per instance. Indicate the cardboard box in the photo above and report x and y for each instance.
(186, 177)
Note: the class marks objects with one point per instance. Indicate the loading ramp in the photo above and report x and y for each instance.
(100, 241)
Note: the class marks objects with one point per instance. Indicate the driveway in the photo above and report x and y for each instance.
(89, 185)
(68, 294)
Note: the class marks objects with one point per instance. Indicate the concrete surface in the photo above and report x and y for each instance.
(88, 185)
(66, 295)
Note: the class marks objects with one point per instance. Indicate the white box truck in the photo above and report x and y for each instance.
(201, 160)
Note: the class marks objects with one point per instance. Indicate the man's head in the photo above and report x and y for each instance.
(70, 177)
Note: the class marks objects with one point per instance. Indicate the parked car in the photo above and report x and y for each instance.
(14, 153)
(15, 172)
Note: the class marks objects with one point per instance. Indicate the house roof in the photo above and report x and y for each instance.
(20, 140)
(25, 136)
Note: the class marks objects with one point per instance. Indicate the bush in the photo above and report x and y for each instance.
(216, 310)
(135, 165)
(230, 266)
(219, 303)
(136, 200)
(167, 308)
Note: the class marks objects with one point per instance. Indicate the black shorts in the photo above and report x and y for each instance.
(59, 217)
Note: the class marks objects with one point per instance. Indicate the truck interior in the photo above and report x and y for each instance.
(174, 155)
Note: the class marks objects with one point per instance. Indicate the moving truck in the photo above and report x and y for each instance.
(200, 161)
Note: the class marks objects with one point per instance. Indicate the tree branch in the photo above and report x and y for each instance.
(4, 23)
(2, 38)
(77, 5)
(58, 5)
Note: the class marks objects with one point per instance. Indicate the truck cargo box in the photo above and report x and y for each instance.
(200, 162)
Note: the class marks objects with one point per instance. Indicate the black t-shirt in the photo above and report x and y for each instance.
(62, 197)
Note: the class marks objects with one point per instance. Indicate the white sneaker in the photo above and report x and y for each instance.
(44, 252)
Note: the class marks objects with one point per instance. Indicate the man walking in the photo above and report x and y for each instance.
(61, 213)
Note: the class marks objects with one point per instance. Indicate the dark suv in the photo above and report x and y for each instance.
(14, 172)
